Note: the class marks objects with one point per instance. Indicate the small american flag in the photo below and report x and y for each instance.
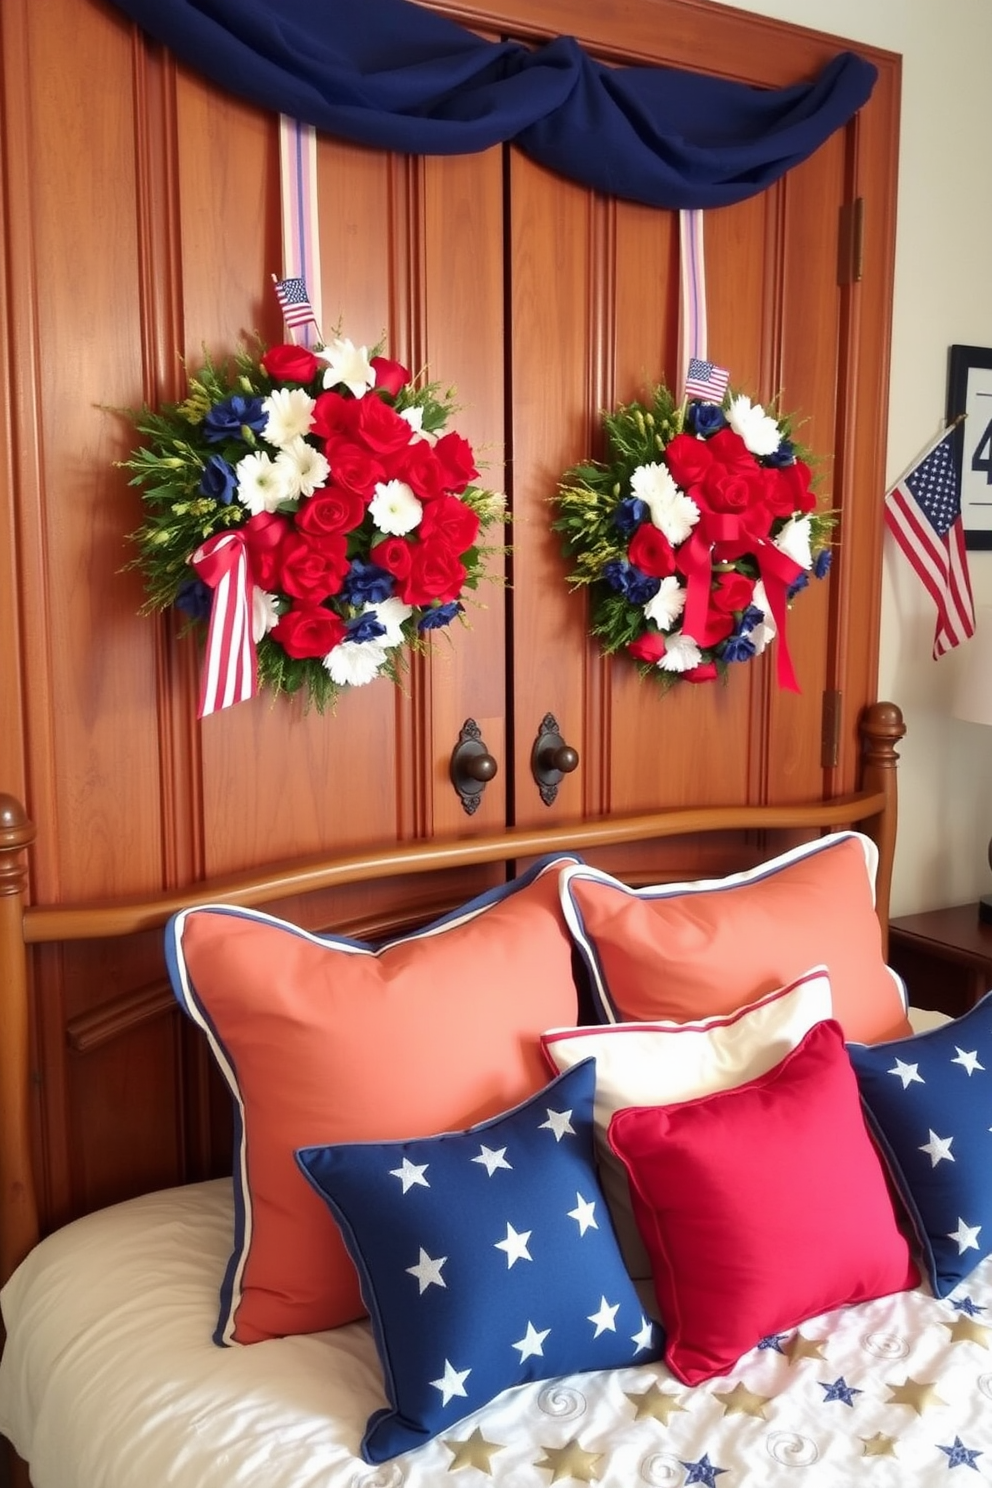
(296, 308)
(923, 512)
(704, 380)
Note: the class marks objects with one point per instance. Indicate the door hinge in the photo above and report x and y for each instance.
(830, 730)
(851, 242)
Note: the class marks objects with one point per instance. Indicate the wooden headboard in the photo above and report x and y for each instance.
(25, 928)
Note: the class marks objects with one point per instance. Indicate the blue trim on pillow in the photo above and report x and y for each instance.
(470, 1254)
(188, 999)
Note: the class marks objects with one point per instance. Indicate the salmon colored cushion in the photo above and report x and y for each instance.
(761, 1206)
(323, 1039)
(691, 950)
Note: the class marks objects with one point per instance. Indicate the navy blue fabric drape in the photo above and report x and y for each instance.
(391, 74)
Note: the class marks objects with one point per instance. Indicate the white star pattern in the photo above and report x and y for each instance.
(452, 1382)
(584, 1214)
(428, 1271)
(515, 1246)
(560, 1122)
(968, 1060)
(966, 1236)
(938, 1149)
(907, 1073)
(492, 1159)
(410, 1174)
(606, 1318)
(531, 1345)
(644, 1337)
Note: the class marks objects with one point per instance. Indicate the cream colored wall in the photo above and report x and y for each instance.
(943, 296)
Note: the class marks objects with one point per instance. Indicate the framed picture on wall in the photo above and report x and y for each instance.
(969, 392)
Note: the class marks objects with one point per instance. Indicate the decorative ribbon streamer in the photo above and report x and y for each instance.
(229, 665)
(692, 320)
(300, 224)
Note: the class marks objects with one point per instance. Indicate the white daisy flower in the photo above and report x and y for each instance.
(667, 605)
(794, 541)
(262, 486)
(349, 364)
(290, 414)
(353, 663)
(394, 508)
(415, 418)
(304, 468)
(672, 512)
(264, 613)
(758, 429)
(391, 613)
(681, 654)
(765, 631)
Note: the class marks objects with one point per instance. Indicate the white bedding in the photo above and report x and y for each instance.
(110, 1380)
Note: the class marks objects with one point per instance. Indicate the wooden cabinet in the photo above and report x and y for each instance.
(141, 226)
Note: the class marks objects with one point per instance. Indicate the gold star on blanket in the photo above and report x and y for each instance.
(654, 1403)
(914, 1393)
(571, 1461)
(474, 1451)
(966, 1330)
(740, 1401)
(800, 1347)
(879, 1445)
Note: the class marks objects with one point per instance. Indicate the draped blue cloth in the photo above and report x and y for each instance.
(393, 75)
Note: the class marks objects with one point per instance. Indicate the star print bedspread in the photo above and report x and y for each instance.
(109, 1377)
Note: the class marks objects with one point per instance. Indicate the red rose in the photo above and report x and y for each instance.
(308, 630)
(395, 555)
(290, 364)
(333, 414)
(649, 647)
(312, 568)
(380, 427)
(651, 552)
(690, 460)
(451, 522)
(419, 467)
(454, 455)
(331, 509)
(738, 491)
(436, 573)
(787, 489)
(716, 628)
(263, 535)
(390, 376)
(353, 467)
(705, 672)
(732, 593)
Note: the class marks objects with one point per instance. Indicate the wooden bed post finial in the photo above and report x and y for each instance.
(882, 727)
(18, 1209)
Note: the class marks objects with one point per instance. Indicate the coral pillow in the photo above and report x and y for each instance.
(487, 1260)
(761, 1206)
(929, 1103)
(322, 1039)
(689, 950)
(641, 1064)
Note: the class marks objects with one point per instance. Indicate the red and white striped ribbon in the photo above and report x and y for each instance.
(229, 665)
(300, 225)
(692, 321)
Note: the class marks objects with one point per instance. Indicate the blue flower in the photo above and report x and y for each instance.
(738, 648)
(367, 627)
(440, 615)
(705, 419)
(797, 585)
(225, 420)
(636, 587)
(218, 479)
(751, 617)
(195, 599)
(822, 562)
(630, 514)
(784, 455)
(366, 583)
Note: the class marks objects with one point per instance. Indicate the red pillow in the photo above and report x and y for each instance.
(761, 1206)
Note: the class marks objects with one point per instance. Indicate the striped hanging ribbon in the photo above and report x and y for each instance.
(229, 664)
(300, 225)
(692, 321)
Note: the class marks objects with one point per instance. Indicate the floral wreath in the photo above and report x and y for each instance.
(694, 536)
(312, 508)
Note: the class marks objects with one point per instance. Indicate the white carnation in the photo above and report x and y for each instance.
(765, 631)
(394, 508)
(391, 613)
(758, 429)
(290, 414)
(264, 613)
(353, 663)
(794, 540)
(262, 486)
(667, 605)
(304, 468)
(672, 512)
(681, 654)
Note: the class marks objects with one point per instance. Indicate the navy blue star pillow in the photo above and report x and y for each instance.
(928, 1101)
(486, 1257)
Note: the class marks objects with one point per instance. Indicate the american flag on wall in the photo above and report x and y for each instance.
(706, 381)
(923, 512)
(295, 302)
